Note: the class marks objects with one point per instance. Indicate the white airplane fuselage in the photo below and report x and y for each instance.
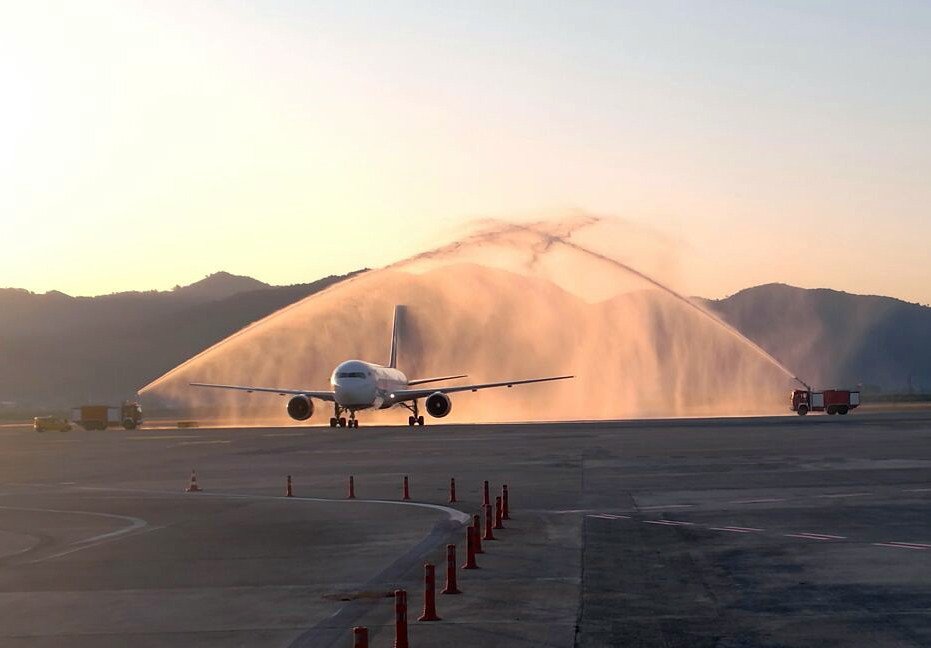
(364, 385)
(359, 385)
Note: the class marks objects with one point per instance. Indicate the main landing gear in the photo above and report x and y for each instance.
(341, 421)
(415, 418)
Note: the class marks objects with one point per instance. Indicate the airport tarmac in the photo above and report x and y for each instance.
(780, 531)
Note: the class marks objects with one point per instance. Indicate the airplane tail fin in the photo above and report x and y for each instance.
(395, 335)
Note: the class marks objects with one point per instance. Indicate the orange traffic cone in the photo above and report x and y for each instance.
(193, 487)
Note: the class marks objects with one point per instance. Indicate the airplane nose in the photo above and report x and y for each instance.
(353, 393)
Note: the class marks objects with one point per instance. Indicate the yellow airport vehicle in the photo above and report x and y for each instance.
(51, 423)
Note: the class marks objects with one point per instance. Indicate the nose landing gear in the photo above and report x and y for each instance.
(342, 421)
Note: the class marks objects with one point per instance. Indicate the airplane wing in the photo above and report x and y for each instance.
(411, 394)
(320, 395)
(422, 381)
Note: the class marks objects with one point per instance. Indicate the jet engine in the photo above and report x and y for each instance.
(439, 405)
(300, 408)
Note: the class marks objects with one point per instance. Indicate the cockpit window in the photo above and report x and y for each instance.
(351, 374)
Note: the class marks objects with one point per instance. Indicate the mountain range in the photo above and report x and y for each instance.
(57, 350)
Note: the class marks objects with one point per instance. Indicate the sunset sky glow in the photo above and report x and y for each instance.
(147, 144)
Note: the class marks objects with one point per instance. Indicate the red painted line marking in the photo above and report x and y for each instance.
(898, 546)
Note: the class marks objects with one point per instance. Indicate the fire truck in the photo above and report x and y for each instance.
(832, 401)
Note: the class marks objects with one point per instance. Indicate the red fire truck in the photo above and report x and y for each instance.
(832, 401)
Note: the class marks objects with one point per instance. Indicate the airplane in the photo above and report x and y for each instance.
(359, 385)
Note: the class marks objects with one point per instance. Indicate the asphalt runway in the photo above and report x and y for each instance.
(780, 531)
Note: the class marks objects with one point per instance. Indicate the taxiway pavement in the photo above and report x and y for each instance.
(776, 531)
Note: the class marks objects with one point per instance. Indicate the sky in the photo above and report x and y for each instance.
(148, 144)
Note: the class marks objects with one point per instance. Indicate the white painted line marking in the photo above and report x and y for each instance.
(86, 543)
(665, 506)
(602, 517)
(917, 490)
(912, 544)
(898, 546)
(744, 528)
(814, 536)
(668, 522)
(615, 517)
(453, 514)
(758, 501)
(731, 529)
(218, 441)
(160, 437)
(283, 434)
(840, 495)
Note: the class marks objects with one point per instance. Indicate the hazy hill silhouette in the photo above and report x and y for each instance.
(833, 338)
(58, 351)
(218, 286)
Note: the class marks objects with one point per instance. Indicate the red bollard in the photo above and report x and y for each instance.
(451, 586)
(352, 488)
(289, 492)
(400, 619)
(360, 637)
(488, 534)
(498, 524)
(477, 525)
(407, 491)
(470, 548)
(505, 512)
(429, 594)
(485, 500)
(452, 490)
